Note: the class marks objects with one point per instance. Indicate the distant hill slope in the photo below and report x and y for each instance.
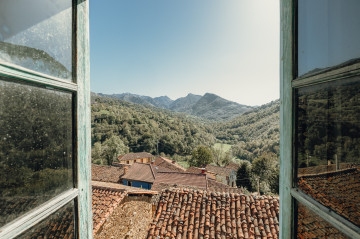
(213, 107)
(145, 128)
(208, 106)
(254, 132)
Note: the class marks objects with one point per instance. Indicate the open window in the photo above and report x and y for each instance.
(320, 119)
(44, 126)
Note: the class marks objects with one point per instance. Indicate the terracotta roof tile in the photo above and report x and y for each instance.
(104, 201)
(167, 163)
(325, 168)
(131, 156)
(215, 186)
(58, 225)
(140, 172)
(310, 225)
(186, 179)
(219, 170)
(200, 214)
(120, 187)
(197, 170)
(193, 170)
(106, 173)
(233, 166)
(338, 190)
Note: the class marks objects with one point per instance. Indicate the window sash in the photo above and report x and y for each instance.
(80, 87)
(331, 217)
(289, 82)
(9, 70)
(36, 215)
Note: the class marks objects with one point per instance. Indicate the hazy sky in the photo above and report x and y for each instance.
(176, 47)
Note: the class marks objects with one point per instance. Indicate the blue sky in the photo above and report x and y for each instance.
(176, 47)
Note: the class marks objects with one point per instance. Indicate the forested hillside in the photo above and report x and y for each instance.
(251, 139)
(253, 133)
(143, 128)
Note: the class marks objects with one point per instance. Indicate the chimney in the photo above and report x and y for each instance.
(203, 170)
(126, 168)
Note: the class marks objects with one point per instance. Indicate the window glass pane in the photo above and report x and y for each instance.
(310, 225)
(35, 147)
(37, 35)
(327, 145)
(328, 34)
(58, 225)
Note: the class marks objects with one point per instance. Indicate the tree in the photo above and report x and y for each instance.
(96, 153)
(112, 148)
(220, 157)
(243, 175)
(265, 170)
(201, 156)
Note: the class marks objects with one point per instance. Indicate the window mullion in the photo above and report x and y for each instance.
(38, 214)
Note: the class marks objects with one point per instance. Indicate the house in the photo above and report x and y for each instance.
(197, 170)
(183, 213)
(170, 164)
(181, 178)
(105, 173)
(223, 174)
(139, 175)
(220, 174)
(233, 166)
(132, 158)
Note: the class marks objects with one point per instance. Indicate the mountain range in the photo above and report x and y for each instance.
(209, 106)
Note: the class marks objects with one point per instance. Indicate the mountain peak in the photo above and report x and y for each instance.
(209, 106)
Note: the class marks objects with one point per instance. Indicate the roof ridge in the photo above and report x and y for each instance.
(331, 173)
(227, 194)
(152, 171)
(184, 173)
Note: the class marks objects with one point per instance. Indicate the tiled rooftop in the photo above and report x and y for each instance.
(311, 226)
(104, 202)
(193, 170)
(338, 190)
(120, 187)
(219, 170)
(167, 163)
(131, 156)
(186, 179)
(200, 214)
(106, 173)
(325, 168)
(215, 186)
(233, 166)
(140, 172)
(199, 170)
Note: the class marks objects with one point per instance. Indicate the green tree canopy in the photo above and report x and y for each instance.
(265, 169)
(201, 156)
(112, 148)
(243, 176)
